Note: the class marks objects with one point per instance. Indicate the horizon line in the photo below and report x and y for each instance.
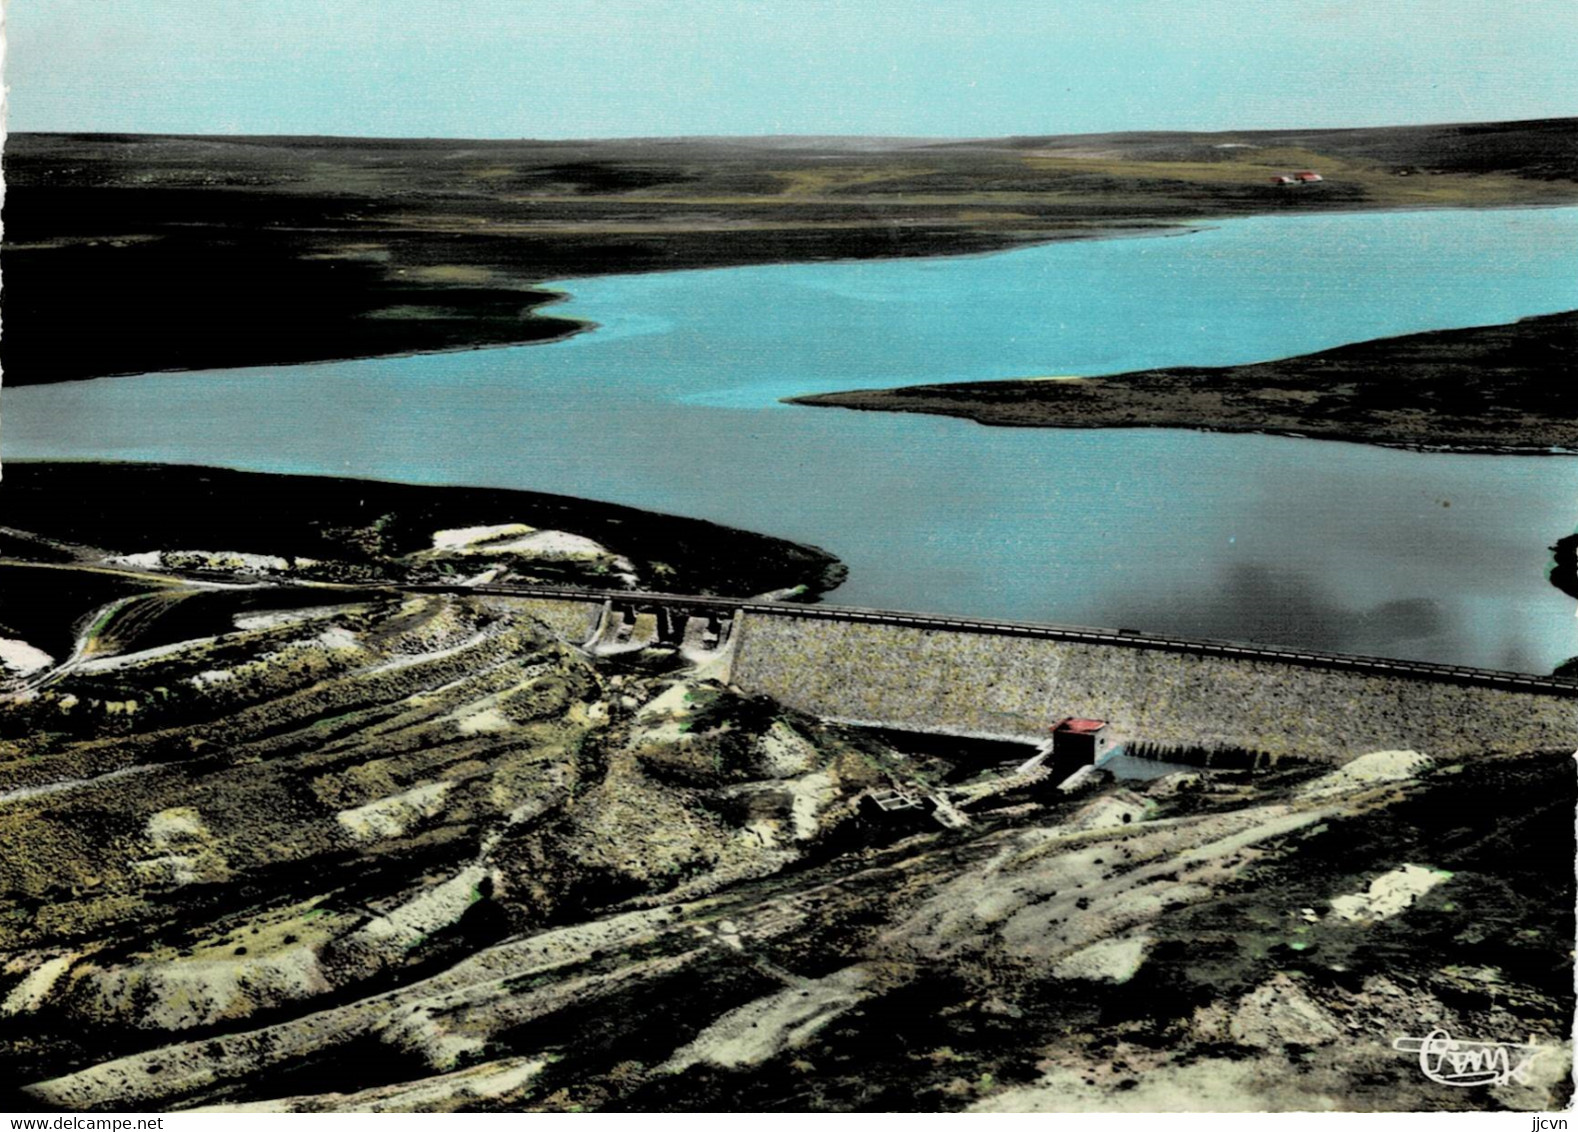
(677, 137)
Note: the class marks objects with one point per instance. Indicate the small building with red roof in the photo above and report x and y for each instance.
(1078, 740)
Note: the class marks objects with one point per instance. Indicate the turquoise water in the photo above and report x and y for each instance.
(671, 404)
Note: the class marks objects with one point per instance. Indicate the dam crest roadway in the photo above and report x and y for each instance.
(1009, 680)
(634, 619)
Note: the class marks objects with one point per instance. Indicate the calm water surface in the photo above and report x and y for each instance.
(672, 405)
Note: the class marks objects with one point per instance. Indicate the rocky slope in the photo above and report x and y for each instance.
(414, 853)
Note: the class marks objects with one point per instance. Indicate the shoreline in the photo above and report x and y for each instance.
(580, 326)
(1421, 447)
(314, 252)
(1442, 376)
(1142, 228)
(380, 529)
(1564, 573)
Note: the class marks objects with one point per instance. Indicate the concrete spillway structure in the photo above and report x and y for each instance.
(608, 627)
(1007, 680)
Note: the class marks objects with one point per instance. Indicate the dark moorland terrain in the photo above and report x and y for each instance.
(365, 531)
(130, 253)
(1506, 388)
(1564, 574)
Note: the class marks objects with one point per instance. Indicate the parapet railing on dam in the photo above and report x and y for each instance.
(1118, 638)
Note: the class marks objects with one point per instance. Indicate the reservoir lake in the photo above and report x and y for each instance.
(671, 404)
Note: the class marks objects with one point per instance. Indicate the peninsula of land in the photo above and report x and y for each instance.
(205, 252)
(293, 528)
(1504, 388)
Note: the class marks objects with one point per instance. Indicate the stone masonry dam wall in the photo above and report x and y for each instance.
(979, 684)
(990, 683)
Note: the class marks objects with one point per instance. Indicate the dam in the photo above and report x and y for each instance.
(1012, 680)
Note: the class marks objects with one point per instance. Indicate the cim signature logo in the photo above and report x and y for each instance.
(1452, 1061)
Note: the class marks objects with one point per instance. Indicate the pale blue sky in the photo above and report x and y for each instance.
(588, 68)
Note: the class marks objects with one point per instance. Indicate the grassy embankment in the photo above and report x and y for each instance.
(191, 253)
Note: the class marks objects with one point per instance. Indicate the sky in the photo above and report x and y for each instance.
(930, 68)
